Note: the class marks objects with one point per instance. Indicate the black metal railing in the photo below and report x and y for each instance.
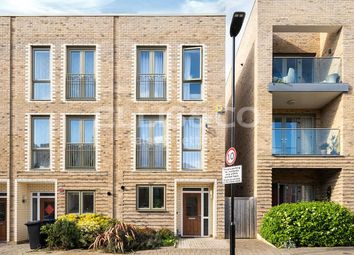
(80, 155)
(80, 87)
(151, 87)
(150, 156)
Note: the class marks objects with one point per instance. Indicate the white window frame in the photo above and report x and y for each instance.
(151, 197)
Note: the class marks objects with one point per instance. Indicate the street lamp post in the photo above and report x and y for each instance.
(236, 24)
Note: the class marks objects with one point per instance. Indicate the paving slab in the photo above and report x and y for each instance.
(196, 246)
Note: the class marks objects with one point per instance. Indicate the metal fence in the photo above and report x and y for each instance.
(151, 156)
(80, 87)
(80, 155)
(151, 87)
(245, 217)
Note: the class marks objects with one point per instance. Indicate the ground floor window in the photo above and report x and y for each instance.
(43, 206)
(150, 197)
(292, 193)
(80, 202)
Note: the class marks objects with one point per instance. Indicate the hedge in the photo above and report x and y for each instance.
(308, 224)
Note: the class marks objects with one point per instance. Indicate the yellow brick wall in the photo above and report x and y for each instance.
(115, 39)
(337, 114)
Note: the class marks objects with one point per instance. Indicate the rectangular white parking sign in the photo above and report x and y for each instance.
(232, 174)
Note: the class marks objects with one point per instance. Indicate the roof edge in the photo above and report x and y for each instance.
(118, 15)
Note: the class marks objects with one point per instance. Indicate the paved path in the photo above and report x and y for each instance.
(196, 246)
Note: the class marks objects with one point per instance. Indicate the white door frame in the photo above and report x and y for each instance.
(213, 199)
(201, 192)
(32, 181)
(39, 197)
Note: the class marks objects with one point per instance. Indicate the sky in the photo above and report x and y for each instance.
(48, 7)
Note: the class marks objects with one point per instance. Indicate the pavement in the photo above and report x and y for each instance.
(193, 246)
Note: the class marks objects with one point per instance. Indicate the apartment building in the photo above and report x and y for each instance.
(294, 133)
(114, 115)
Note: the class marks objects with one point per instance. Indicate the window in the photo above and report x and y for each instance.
(80, 145)
(80, 202)
(151, 197)
(150, 142)
(40, 142)
(151, 77)
(41, 73)
(192, 73)
(80, 78)
(191, 155)
(292, 193)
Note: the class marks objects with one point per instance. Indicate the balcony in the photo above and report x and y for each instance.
(326, 70)
(150, 156)
(151, 87)
(306, 142)
(80, 87)
(298, 80)
(80, 156)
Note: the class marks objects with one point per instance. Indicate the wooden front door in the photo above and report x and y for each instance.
(191, 214)
(2, 219)
(47, 210)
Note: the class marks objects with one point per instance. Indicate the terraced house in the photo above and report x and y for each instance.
(114, 115)
(295, 69)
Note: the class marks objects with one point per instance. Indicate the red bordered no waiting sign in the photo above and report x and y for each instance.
(231, 155)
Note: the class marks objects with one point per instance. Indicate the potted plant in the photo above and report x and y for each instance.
(324, 148)
(334, 145)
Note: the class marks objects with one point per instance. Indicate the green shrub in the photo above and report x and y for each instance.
(166, 236)
(63, 234)
(308, 224)
(88, 227)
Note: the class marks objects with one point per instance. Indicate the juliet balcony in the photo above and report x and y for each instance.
(306, 142)
(306, 82)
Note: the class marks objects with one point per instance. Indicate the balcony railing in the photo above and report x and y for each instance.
(307, 70)
(150, 156)
(151, 87)
(80, 156)
(80, 87)
(306, 141)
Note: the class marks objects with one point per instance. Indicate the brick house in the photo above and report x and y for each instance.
(294, 71)
(114, 115)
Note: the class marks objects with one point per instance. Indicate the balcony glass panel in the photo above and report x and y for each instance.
(306, 141)
(307, 70)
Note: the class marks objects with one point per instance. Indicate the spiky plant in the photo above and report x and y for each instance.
(117, 239)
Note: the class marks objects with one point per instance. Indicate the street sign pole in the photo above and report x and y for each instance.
(232, 224)
(235, 28)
